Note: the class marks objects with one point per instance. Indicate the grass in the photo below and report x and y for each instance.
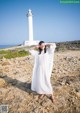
(13, 53)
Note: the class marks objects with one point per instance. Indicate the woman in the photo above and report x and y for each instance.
(42, 68)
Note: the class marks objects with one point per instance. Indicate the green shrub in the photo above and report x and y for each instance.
(13, 53)
(3, 52)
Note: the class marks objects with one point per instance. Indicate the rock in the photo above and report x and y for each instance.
(2, 83)
(2, 75)
(78, 94)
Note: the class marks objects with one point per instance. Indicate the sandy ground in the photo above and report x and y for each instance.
(15, 84)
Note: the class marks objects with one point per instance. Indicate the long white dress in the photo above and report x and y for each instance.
(42, 70)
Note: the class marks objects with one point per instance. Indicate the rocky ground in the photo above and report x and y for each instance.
(15, 83)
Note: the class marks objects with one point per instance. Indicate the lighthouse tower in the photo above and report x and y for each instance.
(30, 30)
(30, 25)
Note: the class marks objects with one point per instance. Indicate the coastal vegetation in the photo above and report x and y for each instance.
(13, 53)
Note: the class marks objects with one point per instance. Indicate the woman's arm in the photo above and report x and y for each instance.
(49, 44)
(35, 47)
(51, 47)
(33, 50)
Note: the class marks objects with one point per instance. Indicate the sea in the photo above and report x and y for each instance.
(5, 46)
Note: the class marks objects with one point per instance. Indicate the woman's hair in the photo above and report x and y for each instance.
(40, 50)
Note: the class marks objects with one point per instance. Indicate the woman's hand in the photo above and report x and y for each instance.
(35, 47)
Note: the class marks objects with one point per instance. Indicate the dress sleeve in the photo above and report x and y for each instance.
(51, 49)
(33, 52)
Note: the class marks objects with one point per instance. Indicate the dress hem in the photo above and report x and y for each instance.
(41, 93)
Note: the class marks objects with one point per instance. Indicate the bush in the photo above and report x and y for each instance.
(13, 53)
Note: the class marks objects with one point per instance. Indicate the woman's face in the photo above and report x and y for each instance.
(42, 46)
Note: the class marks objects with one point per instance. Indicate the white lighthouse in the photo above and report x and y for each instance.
(30, 25)
(30, 30)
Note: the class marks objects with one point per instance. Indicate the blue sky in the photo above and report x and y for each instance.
(52, 21)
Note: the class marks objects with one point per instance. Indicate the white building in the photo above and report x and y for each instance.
(30, 30)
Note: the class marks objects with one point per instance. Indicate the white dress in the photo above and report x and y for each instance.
(42, 70)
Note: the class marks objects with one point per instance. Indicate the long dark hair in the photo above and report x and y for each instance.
(40, 50)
